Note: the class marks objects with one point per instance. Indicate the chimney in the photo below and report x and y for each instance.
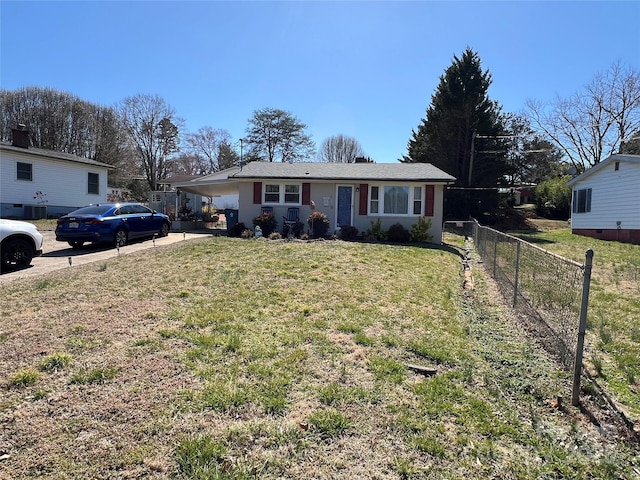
(363, 160)
(20, 136)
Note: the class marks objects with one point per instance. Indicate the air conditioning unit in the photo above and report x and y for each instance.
(35, 212)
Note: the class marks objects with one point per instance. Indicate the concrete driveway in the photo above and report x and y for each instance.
(57, 255)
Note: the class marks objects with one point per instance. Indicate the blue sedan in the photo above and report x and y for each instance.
(114, 223)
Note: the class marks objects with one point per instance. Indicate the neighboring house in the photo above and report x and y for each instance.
(36, 183)
(352, 194)
(606, 200)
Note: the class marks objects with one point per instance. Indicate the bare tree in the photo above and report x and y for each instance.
(593, 124)
(205, 145)
(274, 134)
(340, 149)
(153, 132)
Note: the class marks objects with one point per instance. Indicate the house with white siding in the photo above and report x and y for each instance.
(37, 183)
(606, 200)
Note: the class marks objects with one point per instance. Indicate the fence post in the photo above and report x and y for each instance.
(515, 283)
(577, 370)
(495, 254)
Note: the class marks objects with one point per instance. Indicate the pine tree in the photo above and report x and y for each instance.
(459, 108)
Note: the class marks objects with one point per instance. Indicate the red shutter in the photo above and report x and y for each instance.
(364, 197)
(306, 193)
(257, 192)
(428, 200)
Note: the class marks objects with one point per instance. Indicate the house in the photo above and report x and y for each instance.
(606, 200)
(37, 183)
(352, 194)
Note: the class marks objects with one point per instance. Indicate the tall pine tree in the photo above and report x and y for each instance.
(459, 108)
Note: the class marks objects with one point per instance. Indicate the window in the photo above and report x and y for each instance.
(277, 193)
(292, 194)
(417, 200)
(271, 193)
(155, 197)
(582, 200)
(374, 203)
(25, 171)
(396, 200)
(93, 183)
(617, 166)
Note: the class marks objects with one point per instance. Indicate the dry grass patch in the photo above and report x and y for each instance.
(261, 359)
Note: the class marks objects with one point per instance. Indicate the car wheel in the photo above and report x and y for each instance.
(16, 253)
(120, 238)
(76, 243)
(164, 230)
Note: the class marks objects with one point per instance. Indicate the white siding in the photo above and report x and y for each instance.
(65, 183)
(615, 197)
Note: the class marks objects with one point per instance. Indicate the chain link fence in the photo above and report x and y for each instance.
(544, 288)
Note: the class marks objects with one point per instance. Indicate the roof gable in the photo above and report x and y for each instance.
(634, 159)
(50, 154)
(423, 172)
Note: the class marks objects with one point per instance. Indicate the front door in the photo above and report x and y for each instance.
(344, 206)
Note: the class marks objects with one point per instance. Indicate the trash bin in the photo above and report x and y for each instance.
(232, 217)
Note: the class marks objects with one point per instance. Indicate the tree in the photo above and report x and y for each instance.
(459, 107)
(153, 133)
(631, 146)
(274, 134)
(340, 149)
(205, 145)
(594, 123)
(530, 158)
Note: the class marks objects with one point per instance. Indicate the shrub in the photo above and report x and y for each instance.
(397, 233)
(296, 230)
(376, 232)
(275, 236)
(266, 222)
(420, 230)
(553, 198)
(246, 233)
(319, 224)
(348, 233)
(236, 230)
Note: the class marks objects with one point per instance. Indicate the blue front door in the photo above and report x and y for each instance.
(344, 207)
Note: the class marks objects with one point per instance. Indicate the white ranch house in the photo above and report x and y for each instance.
(37, 183)
(352, 194)
(606, 200)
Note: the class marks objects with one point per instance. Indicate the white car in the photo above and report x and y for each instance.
(19, 243)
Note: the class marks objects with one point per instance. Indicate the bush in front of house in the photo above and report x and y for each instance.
(266, 222)
(398, 234)
(296, 230)
(348, 233)
(376, 232)
(236, 230)
(319, 224)
(420, 231)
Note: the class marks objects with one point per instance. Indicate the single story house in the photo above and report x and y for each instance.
(353, 194)
(606, 200)
(37, 183)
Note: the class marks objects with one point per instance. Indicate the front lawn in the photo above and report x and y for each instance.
(229, 358)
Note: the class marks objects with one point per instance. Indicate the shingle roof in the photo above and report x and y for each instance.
(55, 155)
(417, 172)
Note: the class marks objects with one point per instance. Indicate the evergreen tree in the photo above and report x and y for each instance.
(460, 108)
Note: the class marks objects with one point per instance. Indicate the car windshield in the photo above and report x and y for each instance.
(92, 210)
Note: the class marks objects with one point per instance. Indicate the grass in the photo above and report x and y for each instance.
(614, 309)
(273, 359)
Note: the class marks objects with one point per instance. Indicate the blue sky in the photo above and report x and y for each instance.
(363, 69)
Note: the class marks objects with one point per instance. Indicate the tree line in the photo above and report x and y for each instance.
(464, 132)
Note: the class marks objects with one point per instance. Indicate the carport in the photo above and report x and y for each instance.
(214, 185)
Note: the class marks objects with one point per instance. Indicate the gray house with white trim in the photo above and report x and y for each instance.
(352, 194)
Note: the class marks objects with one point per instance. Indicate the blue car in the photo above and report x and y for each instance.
(113, 223)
